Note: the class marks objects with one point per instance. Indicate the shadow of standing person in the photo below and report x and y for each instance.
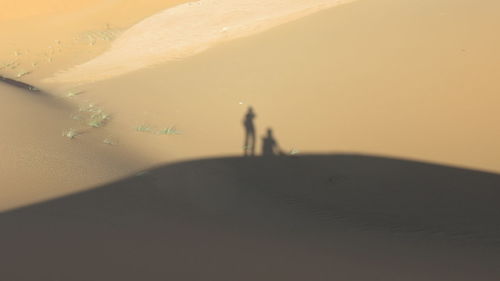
(249, 145)
(270, 146)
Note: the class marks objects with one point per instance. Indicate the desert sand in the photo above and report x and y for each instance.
(187, 30)
(127, 164)
(314, 217)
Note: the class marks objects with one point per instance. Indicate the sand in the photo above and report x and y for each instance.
(346, 79)
(411, 85)
(188, 29)
(321, 217)
(39, 163)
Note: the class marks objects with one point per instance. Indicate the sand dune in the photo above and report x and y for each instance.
(188, 29)
(360, 77)
(402, 79)
(321, 217)
(42, 37)
(345, 79)
(38, 163)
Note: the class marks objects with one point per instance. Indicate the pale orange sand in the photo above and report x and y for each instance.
(38, 38)
(188, 29)
(23, 9)
(404, 79)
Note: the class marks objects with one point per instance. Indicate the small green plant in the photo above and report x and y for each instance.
(96, 123)
(95, 117)
(12, 65)
(22, 73)
(142, 173)
(109, 141)
(144, 128)
(98, 119)
(71, 133)
(88, 108)
(71, 94)
(169, 131)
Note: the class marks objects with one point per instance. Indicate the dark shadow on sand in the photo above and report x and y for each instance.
(258, 218)
(270, 146)
(19, 84)
(29, 92)
(250, 138)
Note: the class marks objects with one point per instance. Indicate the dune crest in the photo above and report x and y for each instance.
(188, 29)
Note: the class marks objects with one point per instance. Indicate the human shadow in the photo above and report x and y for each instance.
(270, 145)
(250, 138)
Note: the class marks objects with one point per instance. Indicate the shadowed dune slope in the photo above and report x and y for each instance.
(38, 162)
(316, 217)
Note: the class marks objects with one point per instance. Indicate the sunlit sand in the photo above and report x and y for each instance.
(249, 140)
(188, 29)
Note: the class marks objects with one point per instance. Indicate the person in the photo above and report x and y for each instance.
(270, 145)
(249, 144)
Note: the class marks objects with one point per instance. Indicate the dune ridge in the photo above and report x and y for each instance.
(255, 217)
(188, 29)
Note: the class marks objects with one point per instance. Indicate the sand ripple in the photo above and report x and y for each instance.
(189, 29)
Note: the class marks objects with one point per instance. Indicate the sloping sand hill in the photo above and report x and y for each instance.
(38, 38)
(319, 217)
(414, 80)
(43, 37)
(112, 143)
(39, 159)
(188, 29)
(402, 78)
